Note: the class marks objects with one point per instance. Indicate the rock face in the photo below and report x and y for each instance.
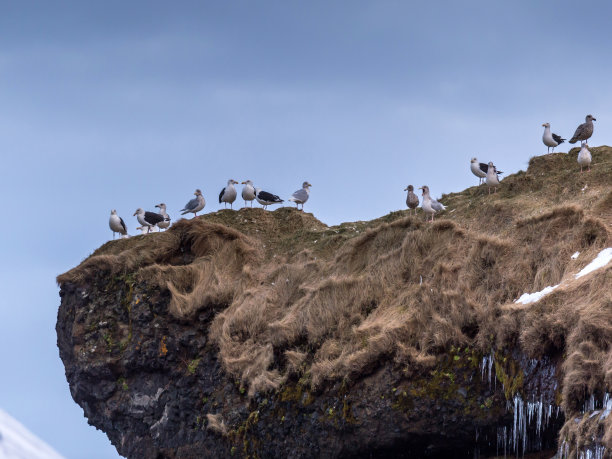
(268, 334)
(151, 392)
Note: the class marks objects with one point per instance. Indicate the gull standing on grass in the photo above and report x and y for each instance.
(265, 199)
(550, 139)
(301, 195)
(430, 206)
(248, 192)
(492, 179)
(117, 224)
(165, 223)
(584, 157)
(480, 169)
(412, 200)
(228, 194)
(148, 219)
(195, 205)
(584, 131)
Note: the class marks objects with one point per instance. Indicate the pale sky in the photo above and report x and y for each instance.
(127, 104)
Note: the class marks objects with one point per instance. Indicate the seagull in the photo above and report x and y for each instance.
(148, 219)
(265, 199)
(301, 195)
(195, 205)
(248, 192)
(584, 131)
(228, 194)
(430, 206)
(412, 200)
(584, 157)
(166, 221)
(551, 140)
(492, 179)
(480, 169)
(116, 224)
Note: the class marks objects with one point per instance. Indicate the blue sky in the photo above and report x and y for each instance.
(124, 105)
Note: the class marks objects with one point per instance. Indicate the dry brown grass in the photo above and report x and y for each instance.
(298, 298)
(216, 424)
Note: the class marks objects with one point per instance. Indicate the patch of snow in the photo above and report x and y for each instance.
(602, 259)
(527, 298)
(17, 442)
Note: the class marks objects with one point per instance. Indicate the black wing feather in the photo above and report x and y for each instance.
(152, 218)
(221, 195)
(123, 224)
(558, 139)
(483, 167)
(269, 197)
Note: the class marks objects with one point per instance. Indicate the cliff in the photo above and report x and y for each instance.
(268, 334)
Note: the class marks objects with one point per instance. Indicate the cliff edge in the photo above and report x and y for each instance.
(268, 334)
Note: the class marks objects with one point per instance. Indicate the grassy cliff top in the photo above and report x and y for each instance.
(298, 299)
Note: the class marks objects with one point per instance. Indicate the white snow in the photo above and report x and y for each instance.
(17, 442)
(527, 298)
(601, 260)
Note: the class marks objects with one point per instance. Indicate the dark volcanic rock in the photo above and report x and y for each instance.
(149, 381)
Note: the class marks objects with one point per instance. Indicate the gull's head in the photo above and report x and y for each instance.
(113, 212)
(474, 160)
(546, 125)
(139, 211)
(161, 206)
(306, 185)
(198, 192)
(409, 188)
(248, 182)
(590, 118)
(491, 164)
(231, 182)
(425, 189)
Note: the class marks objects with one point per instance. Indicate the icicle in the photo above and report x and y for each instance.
(486, 366)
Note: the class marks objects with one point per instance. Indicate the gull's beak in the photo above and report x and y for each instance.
(243, 183)
(156, 205)
(594, 119)
(544, 125)
(405, 189)
(135, 213)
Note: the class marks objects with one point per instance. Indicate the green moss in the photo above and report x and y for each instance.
(193, 366)
(510, 374)
(296, 393)
(109, 341)
(121, 382)
(347, 412)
